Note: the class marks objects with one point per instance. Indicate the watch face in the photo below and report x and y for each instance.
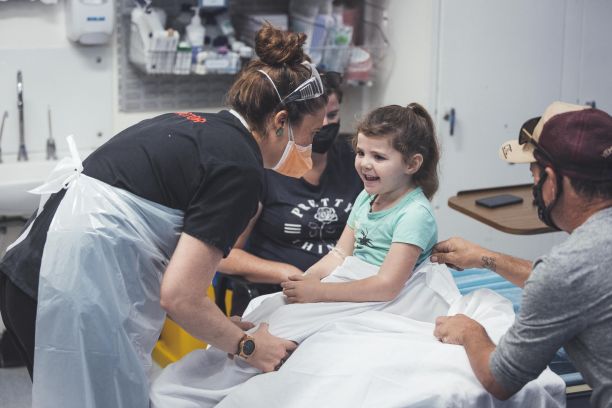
(248, 347)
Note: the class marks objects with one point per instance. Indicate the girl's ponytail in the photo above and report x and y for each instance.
(427, 176)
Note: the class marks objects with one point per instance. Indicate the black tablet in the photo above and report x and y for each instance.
(499, 200)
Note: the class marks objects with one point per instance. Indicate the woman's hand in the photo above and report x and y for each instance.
(270, 351)
(303, 288)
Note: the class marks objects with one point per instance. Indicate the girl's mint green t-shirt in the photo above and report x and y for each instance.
(410, 221)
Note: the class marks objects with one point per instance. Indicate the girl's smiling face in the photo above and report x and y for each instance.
(382, 168)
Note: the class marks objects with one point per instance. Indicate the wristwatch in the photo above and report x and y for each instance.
(246, 346)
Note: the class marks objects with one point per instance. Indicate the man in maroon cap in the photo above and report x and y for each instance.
(567, 294)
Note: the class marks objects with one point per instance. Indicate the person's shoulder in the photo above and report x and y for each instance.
(596, 228)
(417, 203)
(580, 264)
(590, 243)
(282, 182)
(223, 139)
(278, 185)
(190, 124)
(362, 199)
(155, 123)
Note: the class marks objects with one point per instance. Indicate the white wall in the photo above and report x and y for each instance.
(33, 39)
(74, 82)
(406, 74)
(31, 25)
(409, 73)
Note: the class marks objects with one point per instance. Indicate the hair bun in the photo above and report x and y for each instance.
(275, 47)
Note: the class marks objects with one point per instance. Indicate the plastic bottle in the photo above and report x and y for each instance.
(337, 52)
(195, 34)
(302, 16)
(323, 24)
(182, 65)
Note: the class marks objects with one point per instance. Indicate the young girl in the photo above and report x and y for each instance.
(392, 224)
(390, 230)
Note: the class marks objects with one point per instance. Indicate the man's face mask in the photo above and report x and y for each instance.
(324, 138)
(296, 160)
(544, 211)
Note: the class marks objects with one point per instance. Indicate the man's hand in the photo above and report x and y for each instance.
(458, 253)
(462, 330)
(456, 329)
(302, 288)
(270, 351)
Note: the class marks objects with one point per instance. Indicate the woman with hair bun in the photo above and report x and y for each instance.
(300, 219)
(139, 228)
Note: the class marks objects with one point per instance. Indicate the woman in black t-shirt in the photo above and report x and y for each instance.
(201, 175)
(299, 220)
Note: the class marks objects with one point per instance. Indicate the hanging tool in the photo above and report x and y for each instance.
(2, 131)
(51, 151)
(22, 153)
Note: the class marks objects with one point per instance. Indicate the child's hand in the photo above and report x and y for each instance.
(302, 289)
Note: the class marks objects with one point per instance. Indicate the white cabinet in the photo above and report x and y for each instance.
(498, 64)
(592, 27)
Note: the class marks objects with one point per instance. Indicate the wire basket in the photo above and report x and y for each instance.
(357, 63)
(151, 48)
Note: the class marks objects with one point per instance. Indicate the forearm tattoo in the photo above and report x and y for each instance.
(489, 263)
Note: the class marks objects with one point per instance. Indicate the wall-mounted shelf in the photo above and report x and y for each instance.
(140, 91)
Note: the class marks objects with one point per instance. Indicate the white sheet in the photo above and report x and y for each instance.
(426, 295)
(358, 354)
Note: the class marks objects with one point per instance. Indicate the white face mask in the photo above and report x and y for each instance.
(296, 160)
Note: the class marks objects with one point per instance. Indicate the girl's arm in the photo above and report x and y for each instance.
(334, 258)
(382, 287)
(251, 267)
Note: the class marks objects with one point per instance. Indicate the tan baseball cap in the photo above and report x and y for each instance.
(518, 150)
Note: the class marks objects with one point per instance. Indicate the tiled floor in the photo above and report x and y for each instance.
(16, 387)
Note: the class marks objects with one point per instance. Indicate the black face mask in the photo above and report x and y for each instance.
(544, 212)
(324, 138)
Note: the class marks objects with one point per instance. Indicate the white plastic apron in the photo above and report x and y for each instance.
(98, 312)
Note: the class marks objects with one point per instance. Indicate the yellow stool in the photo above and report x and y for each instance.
(174, 342)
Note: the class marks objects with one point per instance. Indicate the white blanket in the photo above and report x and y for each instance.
(427, 294)
(358, 354)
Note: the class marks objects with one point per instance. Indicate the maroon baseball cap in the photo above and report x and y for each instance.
(576, 140)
